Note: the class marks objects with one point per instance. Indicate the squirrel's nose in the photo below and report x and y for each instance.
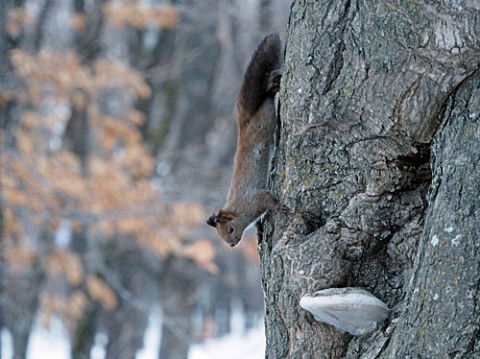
(234, 242)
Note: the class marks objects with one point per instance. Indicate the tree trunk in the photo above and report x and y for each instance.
(368, 87)
(178, 284)
(444, 289)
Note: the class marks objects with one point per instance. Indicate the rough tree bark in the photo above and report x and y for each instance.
(377, 155)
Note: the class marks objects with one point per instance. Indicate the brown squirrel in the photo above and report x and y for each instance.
(248, 197)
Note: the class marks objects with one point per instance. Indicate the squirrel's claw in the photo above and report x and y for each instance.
(282, 208)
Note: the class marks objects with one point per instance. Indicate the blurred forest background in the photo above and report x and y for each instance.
(117, 135)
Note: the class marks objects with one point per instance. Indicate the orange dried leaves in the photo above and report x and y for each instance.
(101, 292)
(58, 73)
(70, 309)
(62, 261)
(140, 15)
(18, 255)
(18, 19)
(62, 75)
(203, 253)
(79, 22)
(114, 74)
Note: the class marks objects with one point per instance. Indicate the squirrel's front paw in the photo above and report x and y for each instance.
(282, 208)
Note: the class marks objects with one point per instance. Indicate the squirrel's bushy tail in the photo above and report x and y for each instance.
(256, 86)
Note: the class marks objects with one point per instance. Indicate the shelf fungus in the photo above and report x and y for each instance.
(352, 310)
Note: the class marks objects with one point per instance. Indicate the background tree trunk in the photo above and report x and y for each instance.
(367, 89)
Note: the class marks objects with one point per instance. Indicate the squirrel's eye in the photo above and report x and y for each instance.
(230, 230)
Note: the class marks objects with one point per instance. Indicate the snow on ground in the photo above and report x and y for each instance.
(53, 344)
(46, 344)
(249, 346)
(43, 343)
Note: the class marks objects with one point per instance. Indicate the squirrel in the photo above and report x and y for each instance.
(248, 197)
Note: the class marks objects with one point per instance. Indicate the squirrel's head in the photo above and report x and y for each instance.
(229, 226)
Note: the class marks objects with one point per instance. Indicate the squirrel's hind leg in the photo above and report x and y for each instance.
(274, 78)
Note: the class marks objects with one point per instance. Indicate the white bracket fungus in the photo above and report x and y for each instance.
(352, 310)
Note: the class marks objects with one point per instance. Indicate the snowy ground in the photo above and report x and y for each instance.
(52, 344)
(249, 346)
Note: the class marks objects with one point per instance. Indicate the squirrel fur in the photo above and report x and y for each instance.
(248, 197)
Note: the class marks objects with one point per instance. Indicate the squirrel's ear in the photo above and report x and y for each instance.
(212, 220)
(221, 217)
(224, 216)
